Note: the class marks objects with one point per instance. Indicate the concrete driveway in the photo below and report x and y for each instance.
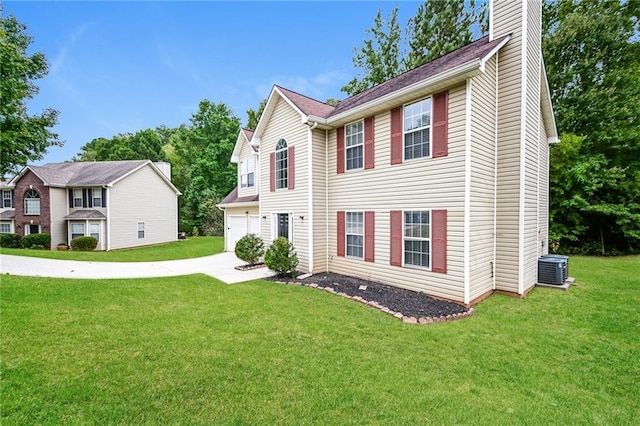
(220, 266)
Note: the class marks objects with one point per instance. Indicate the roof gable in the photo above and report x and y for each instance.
(244, 136)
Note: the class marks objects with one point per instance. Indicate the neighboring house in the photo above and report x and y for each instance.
(7, 211)
(434, 181)
(120, 203)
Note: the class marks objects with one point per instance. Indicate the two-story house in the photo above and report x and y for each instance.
(120, 203)
(434, 181)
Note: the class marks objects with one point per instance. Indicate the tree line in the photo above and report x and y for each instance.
(591, 50)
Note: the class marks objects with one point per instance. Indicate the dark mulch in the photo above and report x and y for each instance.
(407, 302)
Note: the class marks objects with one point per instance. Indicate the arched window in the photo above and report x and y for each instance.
(282, 163)
(32, 202)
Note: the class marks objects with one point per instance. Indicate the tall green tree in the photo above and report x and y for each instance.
(440, 27)
(592, 53)
(380, 58)
(143, 145)
(253, 116)
(23, 137)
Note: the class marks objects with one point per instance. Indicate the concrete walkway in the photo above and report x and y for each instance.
(220, 266)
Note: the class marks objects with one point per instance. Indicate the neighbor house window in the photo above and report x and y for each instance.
(5, 228)
(354, 230)
(94, 230)
(7, 198)
(417, 129)
(417, 238)
(247, 169)
(77, 230)
(282, 164)
(32, 202)
(77, 198)
(354, 145)
(96, 194)
(140, 229)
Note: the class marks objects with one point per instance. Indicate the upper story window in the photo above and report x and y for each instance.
(247, 171)
(282, 164)
(77, 198)
(32, 202)
(7, 198)
(354, 145)
(417, 129)
(96, 195)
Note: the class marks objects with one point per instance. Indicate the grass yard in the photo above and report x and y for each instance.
(182, 249)
(191, 350)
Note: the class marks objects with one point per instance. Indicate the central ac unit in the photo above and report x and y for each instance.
(559, 256)
(552, 270)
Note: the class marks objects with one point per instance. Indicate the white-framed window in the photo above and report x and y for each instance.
(5, 228)
(282, 164)
(96, 195)
(354, 230)
(32, 202)
(247, 172)
(7, 198)
(354, 145)
(94, 231)
(417, 238)
(417, 129)
(140, 229)
(77, 197)
(77, 230)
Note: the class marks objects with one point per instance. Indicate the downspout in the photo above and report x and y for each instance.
(495, 179)
(467, 195)
(310, 194)
(326, 197)
(108, 217)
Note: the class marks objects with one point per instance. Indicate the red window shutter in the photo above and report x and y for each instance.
(440, 124)
(369, 236)
(272, 171)
(369, 147)
(439, 241)
(396, 135)
(396, 237)
(291, 176)
(340, 154)
(341, 234)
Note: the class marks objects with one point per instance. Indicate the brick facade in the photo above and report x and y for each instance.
(30, 181)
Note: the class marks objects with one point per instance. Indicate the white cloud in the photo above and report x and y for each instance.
(58, 61)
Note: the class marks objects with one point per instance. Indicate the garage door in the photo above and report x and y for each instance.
(236, 229)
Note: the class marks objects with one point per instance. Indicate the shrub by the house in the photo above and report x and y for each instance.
(250, 248)
(10, 240)
(281, 257)
(84, 244)
(36, 241)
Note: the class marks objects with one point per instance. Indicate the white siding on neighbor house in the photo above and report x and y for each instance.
(59, 209)
(250, 220)
(319, 201)
(285, 123)
(247, 152)
(421, 184)
(142, 196)
(508, 19)
(482, 170)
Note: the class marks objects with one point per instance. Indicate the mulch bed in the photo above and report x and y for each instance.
(410, 306)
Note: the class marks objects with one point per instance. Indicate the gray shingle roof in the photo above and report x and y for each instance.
(85, 214)
(86, 173)
(307, 105)
(233, 198)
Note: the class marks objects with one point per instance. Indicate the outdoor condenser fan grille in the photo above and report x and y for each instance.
(559, 256)
(552, 270)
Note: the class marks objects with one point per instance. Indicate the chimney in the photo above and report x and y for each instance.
(164, 167)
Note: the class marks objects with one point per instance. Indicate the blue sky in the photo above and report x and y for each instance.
(119, 67)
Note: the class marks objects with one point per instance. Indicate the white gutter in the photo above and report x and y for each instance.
(467, 193)
(108, 188)
(326, 196)
(495, 179)
(523, 142)
(310, 192)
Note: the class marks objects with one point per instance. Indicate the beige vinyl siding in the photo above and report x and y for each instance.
(247, 152)
(421, 184)
(142, 197)
(508, 19)
(59, 208)
(320, 258)
(285, 123)
(543, 192)
(482, 203)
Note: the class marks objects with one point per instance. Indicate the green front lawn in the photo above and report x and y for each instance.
(182, 249)
(192, 350)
